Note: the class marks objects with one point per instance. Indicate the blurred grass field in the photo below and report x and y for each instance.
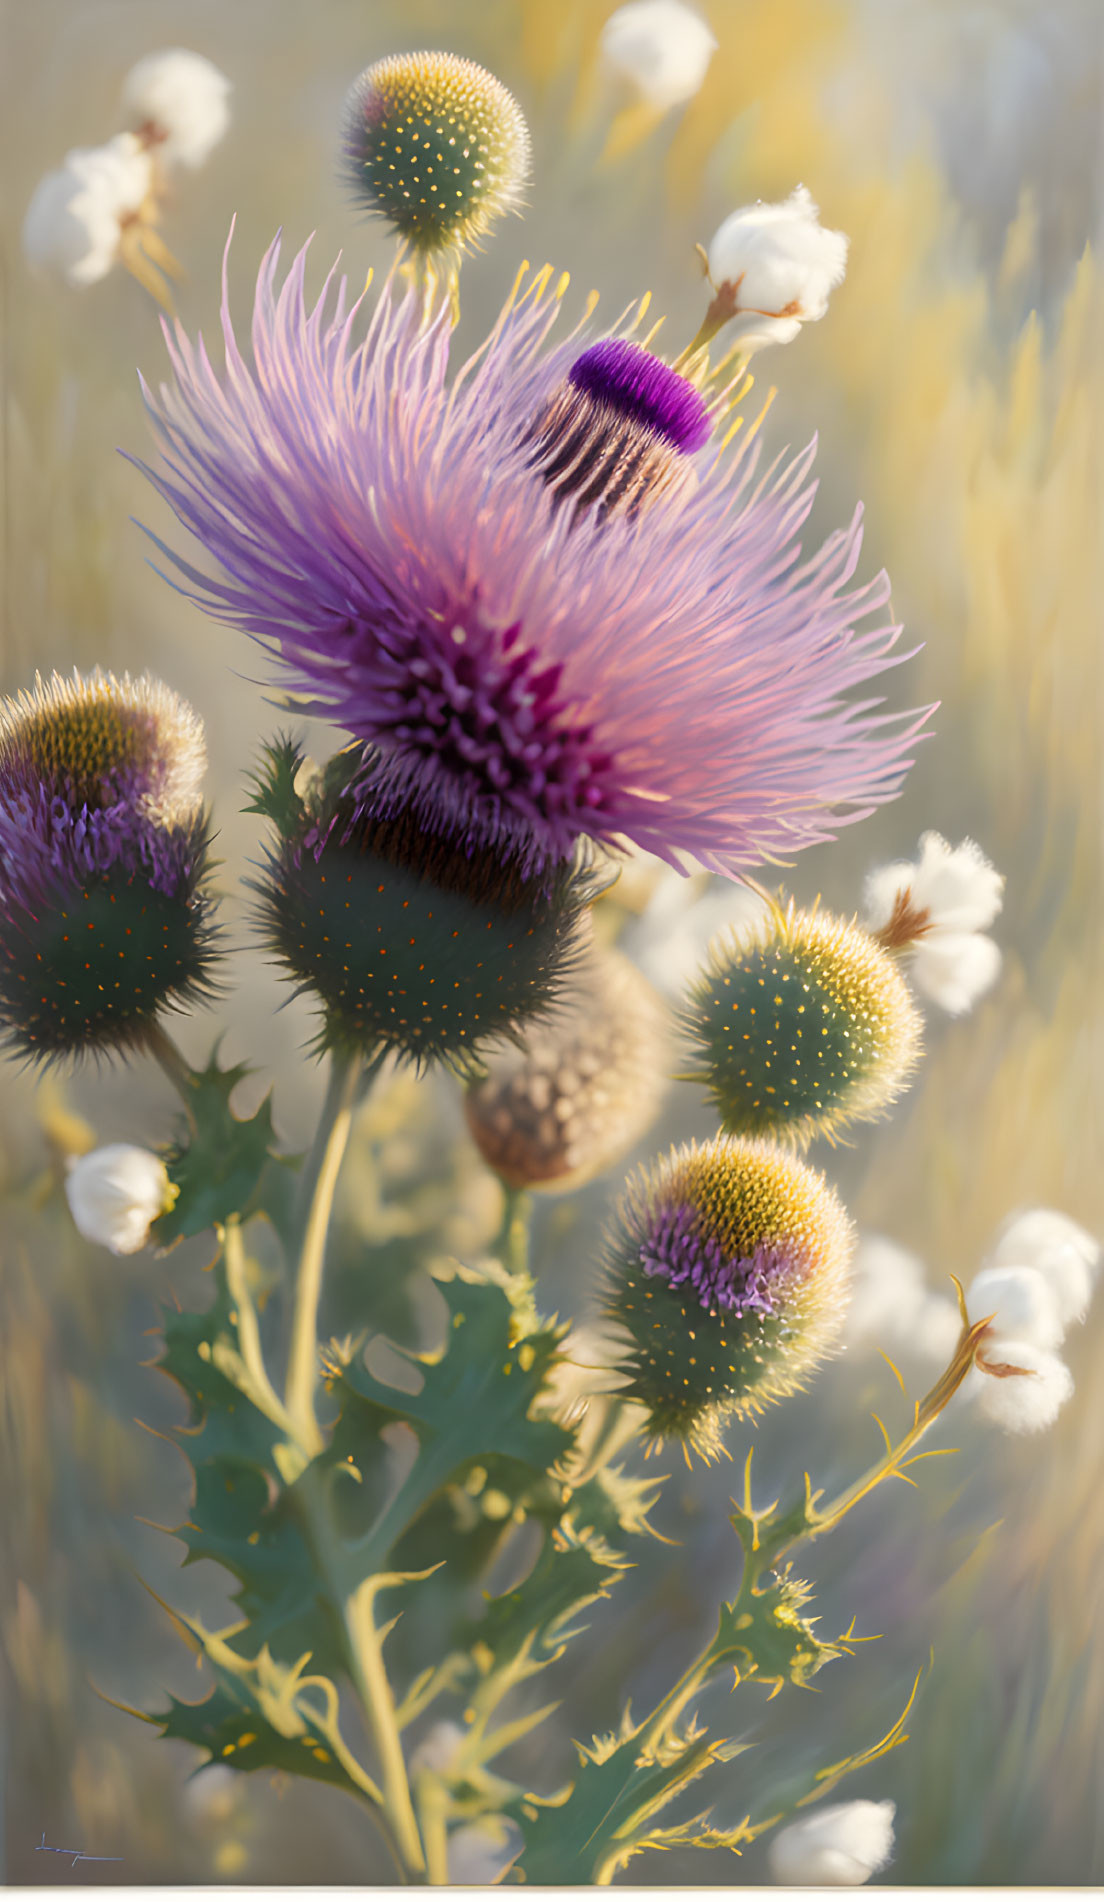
(956, 387)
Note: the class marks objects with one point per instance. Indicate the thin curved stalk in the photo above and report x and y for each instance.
(319, 1181)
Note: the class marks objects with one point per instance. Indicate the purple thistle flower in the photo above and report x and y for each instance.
(662, 668)
(103, 853)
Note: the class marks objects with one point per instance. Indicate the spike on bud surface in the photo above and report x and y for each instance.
(104, 915)
(437, 145)
(728, 1273)
(584, 1085)
(413, 939)
(801, 1025)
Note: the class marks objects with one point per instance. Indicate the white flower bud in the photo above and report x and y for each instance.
(1021, 1302)
(842, 1845)
(955, 884)
(936, 1328)
(782, 265)
(955, 968)
(438, 1747)
(670, 938)
(888, 1290)
(115, 1193)
(75, 218)
(660, 47)
(1064, 1254)
(1023, 1402)
(179, 101)
(479, 1853)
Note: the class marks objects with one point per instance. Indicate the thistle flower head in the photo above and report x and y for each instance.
(103, 855)
(675, 676)
(802, 1024)
(729, 1270)
(436, 145)
(581, 1088)
(412, 941)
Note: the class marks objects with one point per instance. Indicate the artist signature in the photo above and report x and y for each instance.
(78, 1855)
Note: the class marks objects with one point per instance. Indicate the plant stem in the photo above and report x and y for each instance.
(369, 1675)
(175, 1065)
(511, 1244)
(249, 1335)
(319, 1183)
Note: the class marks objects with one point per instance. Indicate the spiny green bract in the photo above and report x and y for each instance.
(802, 1025)
(412, 942)
(437, 145)
(728, 1273)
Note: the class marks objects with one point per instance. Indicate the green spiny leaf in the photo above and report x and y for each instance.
(218, 1165)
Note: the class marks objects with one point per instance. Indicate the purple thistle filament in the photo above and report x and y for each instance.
(677, 1250)
(678, 678)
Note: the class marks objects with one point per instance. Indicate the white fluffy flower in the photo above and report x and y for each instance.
(958, 893)
(670, 938)
(1021, 1302)
(479, 1853)
(180, 102)
(661, 48)
(892, 1305)
(954, 968)
(782, 265)
(955, 884)
(1023, 1402)
(115, 1193)
(1064, 1254)
(842, 1845)
(75, 219)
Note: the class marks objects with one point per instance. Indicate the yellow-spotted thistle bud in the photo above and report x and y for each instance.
(104, 912)
(436, 145)
(415, 938)
(729, 1267)
(584, 1085)
(801, 1024)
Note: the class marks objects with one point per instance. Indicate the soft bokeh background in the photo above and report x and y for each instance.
(956, 388)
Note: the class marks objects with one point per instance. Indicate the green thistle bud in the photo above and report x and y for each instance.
(729, 1267)
(803, 1024)
(414, 939)
(584, 1085)
(436, 145)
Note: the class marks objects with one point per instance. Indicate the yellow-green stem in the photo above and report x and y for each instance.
(249, 1333)
(370, 1679)
(175, 1065)
(320, 1181)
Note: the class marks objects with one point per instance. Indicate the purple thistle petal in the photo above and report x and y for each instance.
(678, 679)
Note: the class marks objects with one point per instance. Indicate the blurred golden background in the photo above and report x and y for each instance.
(956, 387)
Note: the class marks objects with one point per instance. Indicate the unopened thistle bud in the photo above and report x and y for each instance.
(115, 1194)
(436, 145)
(729, 1268)
(104, 917)
(802, 1025)
(414, 939)
(584, 1085)
(621, 429)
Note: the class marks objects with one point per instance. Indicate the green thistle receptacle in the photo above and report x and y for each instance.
(800, 1026)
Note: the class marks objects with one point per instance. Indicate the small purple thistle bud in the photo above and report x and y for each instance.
(729, 1268)
(642, 388)
(104, 919)
(619, 430)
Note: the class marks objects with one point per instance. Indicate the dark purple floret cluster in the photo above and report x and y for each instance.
(676, 1248)
(637, 385)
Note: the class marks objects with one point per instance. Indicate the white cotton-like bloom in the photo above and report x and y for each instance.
(479, 1853)
(955, 968)
(893, 1307)
(438, 1748)
(180, 103)
(75, 219)
(1064, 1254)
(660, 47)
(669, 940)
(842, 1845)
(955, 884)
(936, 1328)
(1022, 1304)
(1023, 1402)
(115, 1193)
(782, 264)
